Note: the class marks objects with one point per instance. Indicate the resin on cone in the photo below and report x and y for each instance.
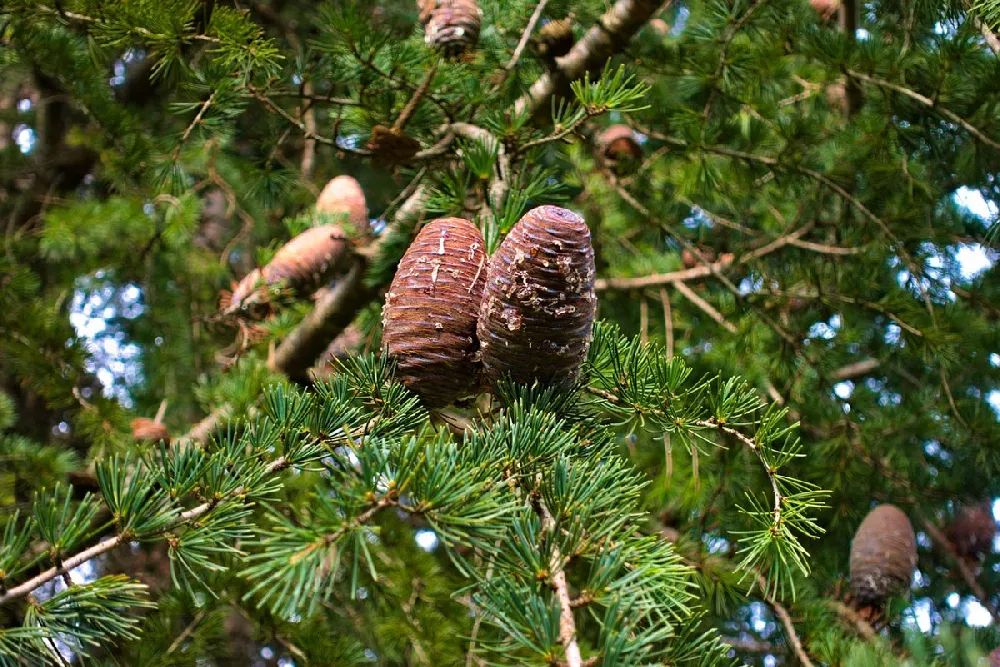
(429, 319)
(303, 264)
(539, 304)
(149, 430)
(343, 196)
(450, 26)
(972, 531)
(883, 556)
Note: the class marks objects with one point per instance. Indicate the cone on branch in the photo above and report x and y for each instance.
(620, 148)
(972, 531)
(883, 556)
(149, 430)
(429, 319)
(691, 261)
(539, 303)
(343, 196)
(450, 26)
(303, 265)
(554, 40)
(391, 145)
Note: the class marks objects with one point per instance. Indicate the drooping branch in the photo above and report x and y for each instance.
(611, 32)
(943, 544)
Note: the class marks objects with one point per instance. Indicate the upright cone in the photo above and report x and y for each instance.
(539, 304)
(451, 26)
(303, 264)
(343, 195)
(883, 556)
(429, 319)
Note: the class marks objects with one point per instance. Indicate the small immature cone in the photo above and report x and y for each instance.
(343, 196)
(451, 26)
(972, 531)
(148, 430)
(539, 304)
(619, 147)
(303, 264)
(883, 556)
(429, 319)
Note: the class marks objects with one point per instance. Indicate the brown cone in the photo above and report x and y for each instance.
(429, 319)
(555, 39)
(883, 556)
(972, 531)
(539, 304)
(303, 264)
(451, 26)
(343, 196)
(148, 430)
(619, 147)
(392, 146)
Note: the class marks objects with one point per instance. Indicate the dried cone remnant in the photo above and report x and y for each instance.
(972, 531)
(148, 430)
(303, 265)
(343, 196)
(883, 556)
(539, 304)
(555, 39)
(620, 148)
(429, 319)
(451, 26)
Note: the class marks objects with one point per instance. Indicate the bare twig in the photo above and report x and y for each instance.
(863, 627)
(567, 623)
(944, 544)
(854, 370)
(705, 306)
(530, 28)
(786, 621)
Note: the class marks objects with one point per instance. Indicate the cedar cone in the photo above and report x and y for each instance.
(825, 8)
(554, 40)
(883, 556)
(148, 430)
(972, 531)
(451, 26)
(539, 304)
(690, 261)
(343, 195)
(392, 145)
(303, 264)
(429, 319)
(660, 27)
(619, 147)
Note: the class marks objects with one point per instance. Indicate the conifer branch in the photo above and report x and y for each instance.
(786, 620)
(929, 103)
(110, 543)
(704, 306)
(612, 31)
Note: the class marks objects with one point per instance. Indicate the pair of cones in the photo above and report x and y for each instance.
(453, 316)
